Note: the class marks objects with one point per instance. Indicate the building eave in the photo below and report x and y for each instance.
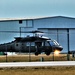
(33, 18)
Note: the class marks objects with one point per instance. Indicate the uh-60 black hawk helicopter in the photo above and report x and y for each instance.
(33, 44)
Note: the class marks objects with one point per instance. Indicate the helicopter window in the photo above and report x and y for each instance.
(56, 42)
(32, 44)
(47, 44)
(53, 43)
(39, 44)
(27, 44)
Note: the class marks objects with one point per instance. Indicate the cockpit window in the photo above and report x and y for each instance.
(47, 43)
(53, 43)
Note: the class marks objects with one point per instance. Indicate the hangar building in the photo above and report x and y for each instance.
(59, 28)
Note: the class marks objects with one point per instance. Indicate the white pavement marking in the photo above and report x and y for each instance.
(33, 64)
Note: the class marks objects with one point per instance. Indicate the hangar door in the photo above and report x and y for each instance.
(72, 39)
(59, 35)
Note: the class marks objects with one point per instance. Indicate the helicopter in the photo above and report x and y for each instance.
(32, 44)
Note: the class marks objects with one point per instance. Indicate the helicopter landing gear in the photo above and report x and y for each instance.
(36, 53)
(47, 53)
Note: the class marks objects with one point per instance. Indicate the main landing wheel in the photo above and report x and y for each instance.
(36, 53)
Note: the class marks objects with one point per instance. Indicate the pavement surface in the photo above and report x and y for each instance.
(33, 64)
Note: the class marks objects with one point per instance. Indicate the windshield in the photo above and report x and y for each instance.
(53, 42)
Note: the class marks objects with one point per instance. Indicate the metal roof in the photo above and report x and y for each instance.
(32, 18)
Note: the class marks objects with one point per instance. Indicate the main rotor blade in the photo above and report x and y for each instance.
(36, 31)
(15, 32)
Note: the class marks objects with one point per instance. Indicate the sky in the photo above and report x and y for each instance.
(36, 8)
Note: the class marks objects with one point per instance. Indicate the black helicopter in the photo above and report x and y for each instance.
(32, 44)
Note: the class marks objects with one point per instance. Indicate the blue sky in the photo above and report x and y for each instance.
(36, 8)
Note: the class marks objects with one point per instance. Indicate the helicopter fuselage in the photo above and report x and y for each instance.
(31, 45)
